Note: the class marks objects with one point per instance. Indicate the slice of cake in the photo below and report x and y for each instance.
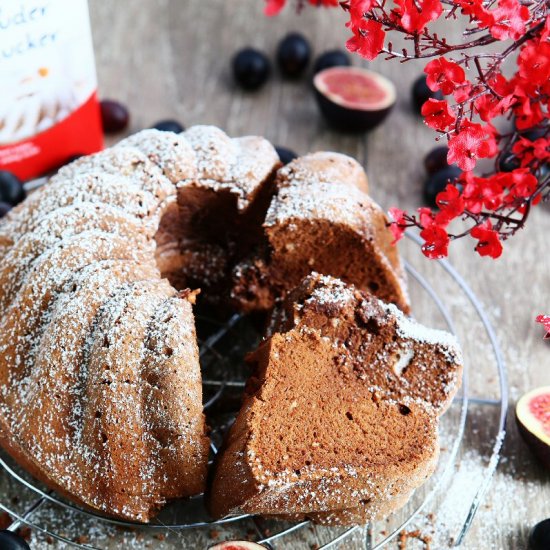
(339, 420)
(321, 219)
(311, 438)
(393, 353)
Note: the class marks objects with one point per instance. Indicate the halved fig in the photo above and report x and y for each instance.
(533, 419)
(353, 99)
(237, 545)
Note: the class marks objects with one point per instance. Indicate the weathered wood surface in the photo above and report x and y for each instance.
(171, 58)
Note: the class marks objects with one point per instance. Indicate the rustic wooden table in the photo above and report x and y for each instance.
(171, 58)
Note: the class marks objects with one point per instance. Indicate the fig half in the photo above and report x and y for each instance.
(353, 99)
(533, 419)
(237, 545)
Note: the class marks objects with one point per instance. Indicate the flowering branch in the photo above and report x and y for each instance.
(544, 320)
(495, 205)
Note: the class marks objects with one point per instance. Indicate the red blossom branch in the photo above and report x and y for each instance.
(495, 205)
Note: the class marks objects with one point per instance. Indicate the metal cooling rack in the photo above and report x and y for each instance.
(222, 345)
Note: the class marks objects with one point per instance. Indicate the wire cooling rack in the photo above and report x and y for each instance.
(187, 525)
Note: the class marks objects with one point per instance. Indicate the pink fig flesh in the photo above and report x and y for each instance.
(533, 419)
(237, 545)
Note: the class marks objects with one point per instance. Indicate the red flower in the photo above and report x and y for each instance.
(357, 10)
(544, 320)
(528, 151)
(444, 75)
(528, 112)
(367, 40)
(473, 8)
(509, 20)
(464, 92)
(489, 243)
(482, 193)
(398, 223)
(273, 7)
(472, 142)
(416, 14)
(437, 114)
(436, 243)
(534, 62)
(488, 94)
(450, 202)
(523, 183)
(489, 107)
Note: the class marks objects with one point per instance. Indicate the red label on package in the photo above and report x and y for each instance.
(49, 110)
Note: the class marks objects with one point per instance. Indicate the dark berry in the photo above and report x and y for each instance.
(11, 541)
(169, 126)
(508, 162)
(421, 93)
(534, 133)
(4, 208)
(285, 155)
(543, 171)
(293, 54)
(74, 157)
(11, 188)
(436, 159)
(539, 538)
(114, 116)
(437, 183)
(251, 68)
(332, 58)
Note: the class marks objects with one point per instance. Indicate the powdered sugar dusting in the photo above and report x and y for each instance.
(412, 360)
(93, 342)
(319, 199)
(171, 152)
(237, 165)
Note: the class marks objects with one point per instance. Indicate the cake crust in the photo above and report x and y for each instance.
(321, 219)
(100, 385)
(310, 440)
(339, 419)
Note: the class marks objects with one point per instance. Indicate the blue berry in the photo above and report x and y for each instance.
(11, 541)
(115, 117)
(436, 159)
(285, 155)
(4, 208)
(332, 58)
(293, 54)
(11, 188)
(251, 68)
(539, 538)
(508, 162)
(169, 126)
(437, 183)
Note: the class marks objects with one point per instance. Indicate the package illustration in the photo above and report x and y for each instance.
(49, 110)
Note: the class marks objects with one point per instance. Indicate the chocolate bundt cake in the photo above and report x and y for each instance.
(339, 420)
(321, 219)
(100, 384)
(100, 387)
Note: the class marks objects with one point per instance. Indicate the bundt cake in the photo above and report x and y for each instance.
(100, 383)
(339, 420)
(321, 219)
(100, 389)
